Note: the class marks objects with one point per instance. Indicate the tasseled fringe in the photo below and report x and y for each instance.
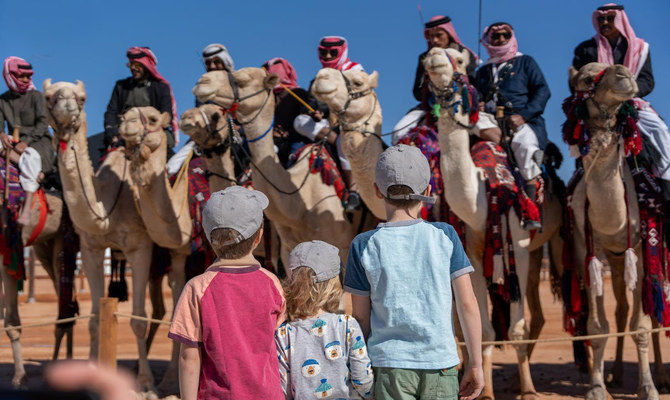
(596, 275)
(498, 277)
(514, 290)
(630, 269)
(666, 290)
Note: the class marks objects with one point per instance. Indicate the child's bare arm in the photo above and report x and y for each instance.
(361, 311)
(189, 371)
(468, 314)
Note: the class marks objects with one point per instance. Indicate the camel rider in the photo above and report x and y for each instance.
(215, 57)
(514, 81)
(334, 53)
(145, 87)
(439, 32)
(23, 106)
(615, 42)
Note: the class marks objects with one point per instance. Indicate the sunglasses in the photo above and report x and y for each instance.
(498, 35)
(603, 18)
(324, 52)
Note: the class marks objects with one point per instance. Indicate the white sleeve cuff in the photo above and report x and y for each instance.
(306, 126)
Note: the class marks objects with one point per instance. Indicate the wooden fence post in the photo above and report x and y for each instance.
(107, 332)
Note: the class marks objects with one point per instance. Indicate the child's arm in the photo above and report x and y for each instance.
(361, 311)
(284, 369)
(189, 371)
(359, 362)
(468, 314)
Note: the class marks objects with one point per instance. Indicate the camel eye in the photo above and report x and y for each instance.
(588, 80)
(215, 117)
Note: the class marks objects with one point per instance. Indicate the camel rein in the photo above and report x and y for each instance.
(63, 146)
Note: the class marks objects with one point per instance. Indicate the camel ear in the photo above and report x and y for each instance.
(81, 90)
(46, 85)
(270, 81)
(165, 119)
(372, 80)
(572, 76)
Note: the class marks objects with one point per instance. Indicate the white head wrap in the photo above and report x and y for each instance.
(220, 51)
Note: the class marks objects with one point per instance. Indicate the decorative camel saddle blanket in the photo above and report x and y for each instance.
(11, 245)
(320, 161)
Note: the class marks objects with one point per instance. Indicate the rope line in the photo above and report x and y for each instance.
(38, 324)
(131, 316)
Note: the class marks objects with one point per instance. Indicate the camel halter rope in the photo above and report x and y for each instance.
(351, 95)
(445, 95)
(140, 186)
(232, 114)
(63, 145)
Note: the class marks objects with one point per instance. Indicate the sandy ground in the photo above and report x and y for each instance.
(554, 374)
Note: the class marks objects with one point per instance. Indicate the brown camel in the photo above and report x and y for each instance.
(106, 215)
(608, 185)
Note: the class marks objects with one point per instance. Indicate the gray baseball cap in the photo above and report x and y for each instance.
(236, 208)
(320, 257)
(403, 165)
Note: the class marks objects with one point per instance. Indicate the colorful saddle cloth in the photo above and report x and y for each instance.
(320, 161)
(11, 245)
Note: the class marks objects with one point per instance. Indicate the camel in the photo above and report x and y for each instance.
(47, 245)
(106, 215)
(301, 206)
(466, 195)
(608, 185)
(351, 98)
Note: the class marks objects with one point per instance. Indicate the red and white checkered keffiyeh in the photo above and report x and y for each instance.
(635, 44)
(13, 67)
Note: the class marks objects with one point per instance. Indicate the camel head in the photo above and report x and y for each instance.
(65, 106)
(442, 63)
(609, 87)
(615, 85)
(142, 130)
(206, 125)
(346, 92)
(254, 86)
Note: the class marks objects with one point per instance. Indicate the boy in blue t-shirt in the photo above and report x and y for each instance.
(400, 276)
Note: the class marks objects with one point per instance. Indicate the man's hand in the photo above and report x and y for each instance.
(515, 121)
(317, 116)
(472, 383)
(6, 140)
(20, 147)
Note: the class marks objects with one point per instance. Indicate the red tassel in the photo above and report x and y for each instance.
(63, 146)
(577, 133)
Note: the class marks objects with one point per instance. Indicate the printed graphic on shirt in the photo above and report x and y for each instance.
(368, 368)
(284, 329)
(358, 348)
(319, 327)
(333, 350)
(310, 368)
(323, 390)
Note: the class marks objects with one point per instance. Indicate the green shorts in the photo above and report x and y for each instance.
(411, 384)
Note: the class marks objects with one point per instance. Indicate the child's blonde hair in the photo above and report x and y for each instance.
(304, 297)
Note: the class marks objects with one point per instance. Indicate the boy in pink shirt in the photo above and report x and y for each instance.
(225, 318)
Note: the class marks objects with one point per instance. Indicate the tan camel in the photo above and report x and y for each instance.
(466, 195)
(105, 212)
(301, 206)
(606, 190)
(351, 98)
(47, 245)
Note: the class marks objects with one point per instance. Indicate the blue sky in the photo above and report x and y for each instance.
(87, 40)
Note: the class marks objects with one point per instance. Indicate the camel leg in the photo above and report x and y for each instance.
(92, 259)
(12, 319)
(597, 324)
(639, 321)
(615, 376)
(157, 307)
(31, 275)
(518, 328)
(533, 297)
(660, 375)
(176, 278)
(140, 260)
(488, 334)
(70, 342)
